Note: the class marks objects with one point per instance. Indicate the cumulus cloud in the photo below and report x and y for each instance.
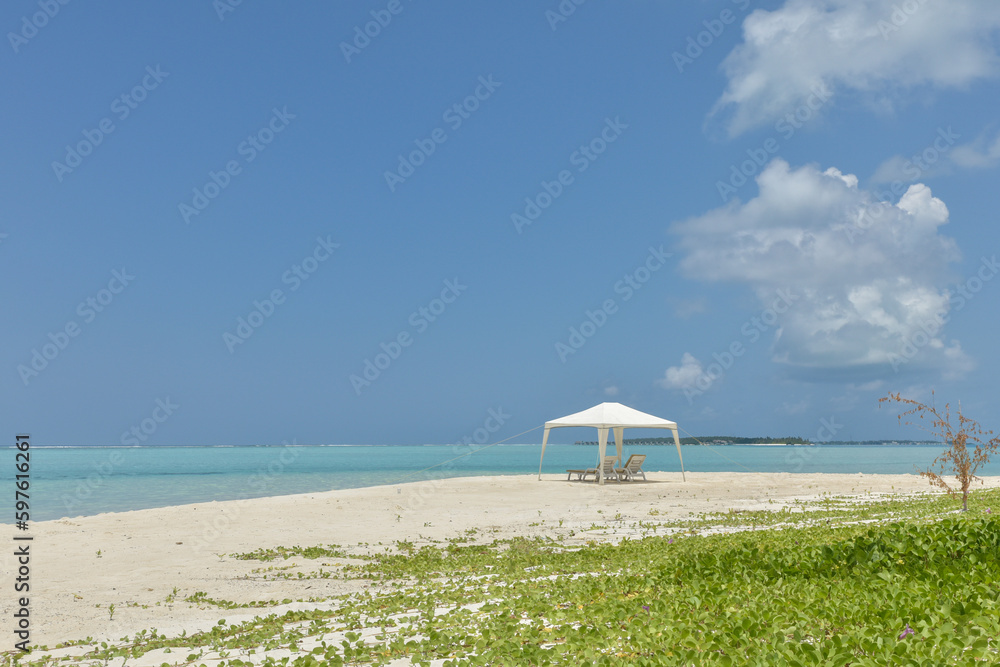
(877, 49)
(869, 278)
(683, 376)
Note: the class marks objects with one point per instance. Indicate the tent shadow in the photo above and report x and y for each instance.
(614, 482)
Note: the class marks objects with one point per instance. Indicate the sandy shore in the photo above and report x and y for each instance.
(136, 560)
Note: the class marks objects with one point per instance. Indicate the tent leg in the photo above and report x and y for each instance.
(602, 450)
(677, 442)
(545, 441)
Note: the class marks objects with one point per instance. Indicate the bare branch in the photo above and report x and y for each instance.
(956, 460)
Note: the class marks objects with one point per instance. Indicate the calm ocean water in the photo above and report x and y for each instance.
(77, 481)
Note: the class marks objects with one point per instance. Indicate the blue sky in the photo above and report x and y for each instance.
(751, 218)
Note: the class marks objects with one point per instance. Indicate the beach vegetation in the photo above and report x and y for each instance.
(879, 580)
(330, 551)
(960, 433)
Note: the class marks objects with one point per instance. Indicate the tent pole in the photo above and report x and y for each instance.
(545, 441)
(677, 441)
(619, 431)
(602, 448)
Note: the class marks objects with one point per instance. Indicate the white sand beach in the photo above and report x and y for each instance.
(146, 562)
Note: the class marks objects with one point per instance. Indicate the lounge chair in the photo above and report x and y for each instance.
(608, 470)
(632, 468)
(580, 473)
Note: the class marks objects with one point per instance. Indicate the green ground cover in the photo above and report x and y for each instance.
(881, 581)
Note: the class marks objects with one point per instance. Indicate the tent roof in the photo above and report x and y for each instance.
(611, 415)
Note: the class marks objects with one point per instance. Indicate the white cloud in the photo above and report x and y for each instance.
(869, 280)
(683, 376)
(982, 153)
(941, 156)
(611, 391)
(874, 385)
(877, 49)
(903, 170)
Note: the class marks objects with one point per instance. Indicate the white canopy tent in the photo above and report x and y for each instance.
(610, 417)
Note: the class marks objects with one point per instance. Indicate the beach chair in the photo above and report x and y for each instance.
(632, 468)
(608, 469)
(581, 474)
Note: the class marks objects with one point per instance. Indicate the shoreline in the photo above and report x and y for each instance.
(146, 562)
(86, 482)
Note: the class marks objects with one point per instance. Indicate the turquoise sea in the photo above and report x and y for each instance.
(76, 481)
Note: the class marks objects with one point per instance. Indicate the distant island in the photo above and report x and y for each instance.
(768, 440)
